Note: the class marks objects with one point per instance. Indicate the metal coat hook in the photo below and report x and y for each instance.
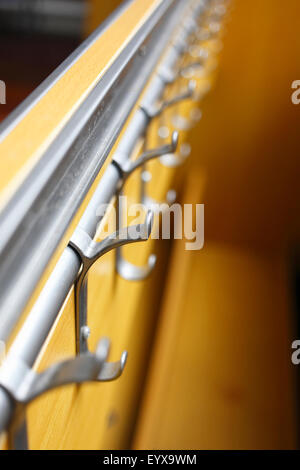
(155, 111)
(155, 206)
(125, 269)
(25, 385)
(89, 252)
(173, 160)
(148, 201)
(176, 158)
(189, 70)
(128, 167)
(170, 157)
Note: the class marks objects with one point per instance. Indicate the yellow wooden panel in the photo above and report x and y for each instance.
(221, 376)
(248, 141)
(98, 11)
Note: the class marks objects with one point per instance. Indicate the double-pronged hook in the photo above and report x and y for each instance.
(125, 269)
(128, 167)
(170, 159)
(89, 252)
(189, 70)
(175, 159)
(156, 110)
(156, 206)
(25, 385)
(168, 76)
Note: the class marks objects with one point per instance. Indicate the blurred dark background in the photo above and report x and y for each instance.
(35, 37)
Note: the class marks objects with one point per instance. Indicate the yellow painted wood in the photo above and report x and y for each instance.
(98, 11)
(221, 376)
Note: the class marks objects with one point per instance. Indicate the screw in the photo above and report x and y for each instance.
(85, 332)
(143, 50)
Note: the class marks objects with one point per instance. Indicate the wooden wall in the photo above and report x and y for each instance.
(221, 375)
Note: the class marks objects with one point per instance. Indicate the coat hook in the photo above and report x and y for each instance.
(177, 158)
(125, 269)
(155, 111)
(173, 160)
(189, 70)
(146, 176)
(149, 202)
(89, 252)
(128, 167)
(26, 384)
